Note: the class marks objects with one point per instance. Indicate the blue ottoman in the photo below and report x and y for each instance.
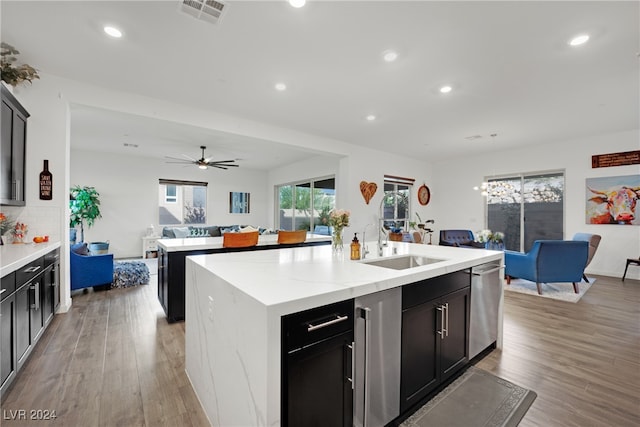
(129, 273)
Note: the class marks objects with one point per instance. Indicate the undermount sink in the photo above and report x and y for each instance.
(403, 262)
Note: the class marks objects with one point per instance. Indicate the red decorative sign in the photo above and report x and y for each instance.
(616, 159)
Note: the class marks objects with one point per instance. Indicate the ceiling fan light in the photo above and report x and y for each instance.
(202, 166)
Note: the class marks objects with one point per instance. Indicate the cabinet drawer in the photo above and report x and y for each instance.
(429, 289)
(52, 258)
(311, 326)
(8, 284)
(29, 271)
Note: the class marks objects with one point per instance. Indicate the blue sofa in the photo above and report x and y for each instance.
(89, 270)
(549, 261)
(459, 238)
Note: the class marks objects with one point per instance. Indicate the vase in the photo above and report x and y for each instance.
(336, 241)
(494, 246)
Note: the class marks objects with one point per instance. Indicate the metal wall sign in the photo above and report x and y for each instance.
(616, 159)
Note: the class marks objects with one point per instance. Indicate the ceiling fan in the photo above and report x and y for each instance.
(203, 162)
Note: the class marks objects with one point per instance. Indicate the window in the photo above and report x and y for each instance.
(306, 204)
(182, 202)
(396, 204)
(526, 208)
(170, 193)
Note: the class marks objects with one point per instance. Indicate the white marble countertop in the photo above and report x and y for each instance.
(298, 278)
(13, 257)
(235, 302)
(198, 243)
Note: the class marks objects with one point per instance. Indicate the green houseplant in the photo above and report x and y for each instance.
(14, 74)
(84, 204)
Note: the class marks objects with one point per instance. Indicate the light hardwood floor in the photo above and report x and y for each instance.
(113, 360)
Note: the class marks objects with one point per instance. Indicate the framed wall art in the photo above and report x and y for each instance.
(613, 200)
(239, 202)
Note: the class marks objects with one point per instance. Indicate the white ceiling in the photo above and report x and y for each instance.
(511, 69)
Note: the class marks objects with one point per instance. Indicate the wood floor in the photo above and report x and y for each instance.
(113, 360)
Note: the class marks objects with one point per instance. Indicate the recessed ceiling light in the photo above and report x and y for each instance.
(446, 89)
(280, 87)
(578, 40)
(113, 32)
(297, 3)
(389, 55)
(370, 118)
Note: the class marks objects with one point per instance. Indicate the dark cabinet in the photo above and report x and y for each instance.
(317, 377)
(28, 304)
(13, 136)
(8, 362)
(50, 293)
(23, 320)
(435, 334)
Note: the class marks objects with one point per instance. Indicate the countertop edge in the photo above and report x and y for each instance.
(25, 257)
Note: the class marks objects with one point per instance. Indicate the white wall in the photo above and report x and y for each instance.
(453, 202)
(128, 188)
(359, 164)
(457, 205)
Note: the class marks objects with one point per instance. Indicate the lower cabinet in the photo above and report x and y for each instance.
(317, 378)
(23, 320)
(8, 361)
(435, 333)
(26, 311)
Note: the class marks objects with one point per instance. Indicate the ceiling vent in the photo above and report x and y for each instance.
(205, 10)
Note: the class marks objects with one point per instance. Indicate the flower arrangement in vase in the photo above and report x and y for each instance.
(491, 240)
(19, 232)
(338, 219)
(6, 224)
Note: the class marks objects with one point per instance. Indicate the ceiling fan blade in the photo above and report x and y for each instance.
(222, 161)
(222, 164)
(219, 167)
(183, 162)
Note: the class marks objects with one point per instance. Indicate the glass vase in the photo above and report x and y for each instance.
(336, 241)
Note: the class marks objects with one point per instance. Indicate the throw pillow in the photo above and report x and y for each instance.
(80, 249)
(248, 229)
(181, 232)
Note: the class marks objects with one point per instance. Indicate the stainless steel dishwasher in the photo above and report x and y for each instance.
(486, 291)
(378, 323)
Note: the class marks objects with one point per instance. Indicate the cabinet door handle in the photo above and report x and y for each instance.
(365, 313)
(36, 296)
(32, 269)
(350, 347)
(338, 319)
(446, 317)
(440, 308)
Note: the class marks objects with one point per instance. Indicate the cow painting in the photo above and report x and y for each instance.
(616, 205)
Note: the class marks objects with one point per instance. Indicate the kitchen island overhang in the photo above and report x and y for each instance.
(235, 302)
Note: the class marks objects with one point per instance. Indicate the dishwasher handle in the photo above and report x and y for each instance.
(485, 272)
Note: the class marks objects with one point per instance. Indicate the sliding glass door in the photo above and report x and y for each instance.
(526, 208)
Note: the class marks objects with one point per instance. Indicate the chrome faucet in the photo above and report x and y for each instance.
(381, 220)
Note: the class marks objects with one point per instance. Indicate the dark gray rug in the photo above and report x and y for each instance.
(476, 398)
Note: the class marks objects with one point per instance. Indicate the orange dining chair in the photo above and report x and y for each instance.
(240, 240)
(291, 237)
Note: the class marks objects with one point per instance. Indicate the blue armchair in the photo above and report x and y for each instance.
(90, 270)
(549, 261)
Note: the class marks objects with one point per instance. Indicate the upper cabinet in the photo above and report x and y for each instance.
(13, 127)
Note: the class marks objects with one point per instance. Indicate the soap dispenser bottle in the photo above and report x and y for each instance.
(355, 247)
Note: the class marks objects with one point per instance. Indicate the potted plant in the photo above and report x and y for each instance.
(14, 74)
(84, 204)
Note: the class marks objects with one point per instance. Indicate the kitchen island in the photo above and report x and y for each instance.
(171, 263)
(236, 303)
